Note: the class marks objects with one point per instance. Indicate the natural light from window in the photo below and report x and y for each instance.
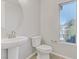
(68, 22)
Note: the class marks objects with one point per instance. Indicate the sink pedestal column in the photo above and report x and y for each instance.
(13, 53)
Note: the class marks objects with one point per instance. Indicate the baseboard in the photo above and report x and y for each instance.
(65, 57)
(31, 55)
(60, 55)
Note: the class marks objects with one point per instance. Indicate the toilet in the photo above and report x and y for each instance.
(43, 50)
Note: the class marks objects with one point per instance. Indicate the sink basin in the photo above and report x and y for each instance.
(13, 44)
(7, 43)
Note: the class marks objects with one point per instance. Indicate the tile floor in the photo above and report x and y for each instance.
(51, 57)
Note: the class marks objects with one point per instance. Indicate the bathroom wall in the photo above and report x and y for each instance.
(12, 16)
(50, 27)
(30, 25)
(25, 20)
(29, 22)
(49, 20)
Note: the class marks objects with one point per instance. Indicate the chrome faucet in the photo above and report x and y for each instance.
(12, 34)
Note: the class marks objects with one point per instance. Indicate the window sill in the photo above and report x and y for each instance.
(66, 43)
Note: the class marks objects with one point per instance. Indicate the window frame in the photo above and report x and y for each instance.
(60, 5)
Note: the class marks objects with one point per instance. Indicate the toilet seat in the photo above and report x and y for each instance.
(44, 48)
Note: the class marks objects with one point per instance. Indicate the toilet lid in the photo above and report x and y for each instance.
(44, 47)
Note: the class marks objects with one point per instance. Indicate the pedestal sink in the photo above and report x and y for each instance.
(13, 44)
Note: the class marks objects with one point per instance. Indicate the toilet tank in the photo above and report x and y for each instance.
(36, 41)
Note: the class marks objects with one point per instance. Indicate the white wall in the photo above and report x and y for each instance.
(50, 27)
(49, 20)
(2, 15)
(31, 22)
(12, 16)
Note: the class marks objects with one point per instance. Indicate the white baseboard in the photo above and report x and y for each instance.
(65, 57)
(60, 55)
(31, 55)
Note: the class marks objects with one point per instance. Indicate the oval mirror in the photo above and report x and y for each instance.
(13, 15)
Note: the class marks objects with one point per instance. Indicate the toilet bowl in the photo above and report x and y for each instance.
(42, 50)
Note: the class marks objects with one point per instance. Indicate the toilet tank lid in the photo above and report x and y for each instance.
(34, 37)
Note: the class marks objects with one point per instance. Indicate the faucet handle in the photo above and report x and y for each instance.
(9, 35)
(13, 34)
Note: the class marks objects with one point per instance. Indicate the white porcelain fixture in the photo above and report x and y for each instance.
(42, 50)
(13, 44)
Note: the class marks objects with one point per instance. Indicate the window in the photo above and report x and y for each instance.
(68, 22)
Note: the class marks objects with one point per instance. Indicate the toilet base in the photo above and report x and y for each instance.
(42, 55)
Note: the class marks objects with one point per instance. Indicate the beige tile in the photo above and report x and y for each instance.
(55, 57)
(34, 57)
(51, 57)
